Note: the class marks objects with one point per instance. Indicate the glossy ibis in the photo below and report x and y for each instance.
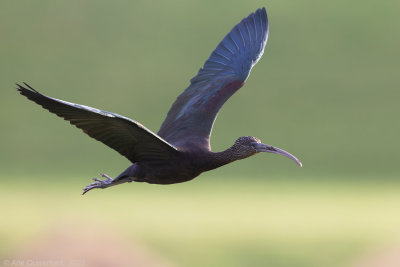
(181, 149)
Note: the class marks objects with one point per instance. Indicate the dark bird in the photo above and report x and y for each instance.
(181, 149)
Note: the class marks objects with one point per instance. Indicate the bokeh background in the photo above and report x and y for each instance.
(326, 90)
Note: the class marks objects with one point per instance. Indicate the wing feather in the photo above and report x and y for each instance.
(126, 136)
(192, 115)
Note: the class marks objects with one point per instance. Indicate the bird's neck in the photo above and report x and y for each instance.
(218, 159)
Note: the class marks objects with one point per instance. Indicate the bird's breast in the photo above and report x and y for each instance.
(170, 172)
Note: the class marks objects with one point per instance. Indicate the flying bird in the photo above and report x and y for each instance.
(180, 151)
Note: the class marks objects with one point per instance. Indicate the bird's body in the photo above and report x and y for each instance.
(185, 165)
(181, 168)
(181, 150)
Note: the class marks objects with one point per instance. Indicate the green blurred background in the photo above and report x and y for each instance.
(325, 90)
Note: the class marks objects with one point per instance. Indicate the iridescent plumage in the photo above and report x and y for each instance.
(191, 117)
(181, 149)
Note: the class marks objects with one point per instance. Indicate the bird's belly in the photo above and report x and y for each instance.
(168, 174)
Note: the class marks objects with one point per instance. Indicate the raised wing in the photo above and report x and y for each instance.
(191, 117)
(128, 137)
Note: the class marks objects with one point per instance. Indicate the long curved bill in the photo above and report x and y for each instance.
(260, 147)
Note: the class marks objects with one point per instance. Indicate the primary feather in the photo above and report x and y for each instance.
(128, 137)
(192, 115)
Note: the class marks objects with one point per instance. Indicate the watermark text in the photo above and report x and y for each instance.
(42, 263)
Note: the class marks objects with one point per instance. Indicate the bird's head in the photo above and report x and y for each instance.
(247, 146)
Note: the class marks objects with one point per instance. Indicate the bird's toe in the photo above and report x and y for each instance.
(108, 178)
(98, 183)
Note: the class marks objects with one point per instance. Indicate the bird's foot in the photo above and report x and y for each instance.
(99, 183)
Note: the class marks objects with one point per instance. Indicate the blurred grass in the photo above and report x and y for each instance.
(220, 222)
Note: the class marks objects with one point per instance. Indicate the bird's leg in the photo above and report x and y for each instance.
(104, 183)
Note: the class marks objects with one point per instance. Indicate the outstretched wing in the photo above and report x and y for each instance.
(192, 115)
(128, 137)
